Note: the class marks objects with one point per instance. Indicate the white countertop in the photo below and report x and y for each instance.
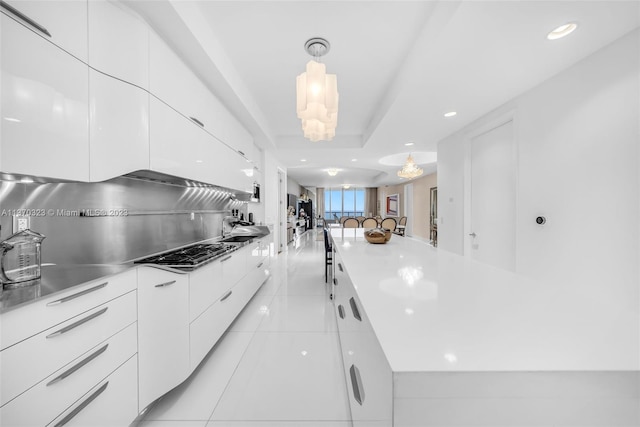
(433, 310)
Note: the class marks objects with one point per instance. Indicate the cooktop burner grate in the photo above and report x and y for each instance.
(190, 256)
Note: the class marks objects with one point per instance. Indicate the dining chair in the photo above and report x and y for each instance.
(328, 254)
(360, 219)
(370, 223)
(389, 224)
(402, 225)
(343, 219)
(351, 223)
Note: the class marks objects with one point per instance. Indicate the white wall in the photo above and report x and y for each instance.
(269, 196)
(578, 140)
(293, 188)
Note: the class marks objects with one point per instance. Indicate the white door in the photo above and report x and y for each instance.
(491, 235)
(408, 209)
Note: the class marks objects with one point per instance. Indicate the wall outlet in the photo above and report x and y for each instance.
(20, 223)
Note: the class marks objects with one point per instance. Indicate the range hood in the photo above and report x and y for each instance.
(241, 196)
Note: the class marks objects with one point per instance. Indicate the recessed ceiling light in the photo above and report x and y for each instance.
(354, 160)
(409, 144)
(346, 186)
(450, 114)
(303, 160)
(11, 119)
(562, 31)
(332, 172)
(26, 180)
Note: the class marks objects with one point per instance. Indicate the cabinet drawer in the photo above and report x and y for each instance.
(27, 321)
(28, 362)
(234, 266)
(205, 287)
(113, 402)
(70, 383)
(209, 327)
(368, 375)
(64, 21)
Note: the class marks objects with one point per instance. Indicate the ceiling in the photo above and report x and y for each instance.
(400, 66)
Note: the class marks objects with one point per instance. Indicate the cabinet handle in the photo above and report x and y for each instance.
(225, 259)
(76, 295)
(198, 122)
(241, 153)
(226, 295)
(24, 18)
(79, 365)
(356, 384)
(354, 309)
(335, 281)
(81, 406)
(76, 324)
(260, 265)
(161, 285)
(340, 267)
(341, 311)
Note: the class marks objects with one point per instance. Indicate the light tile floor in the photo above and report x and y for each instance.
(278, 364)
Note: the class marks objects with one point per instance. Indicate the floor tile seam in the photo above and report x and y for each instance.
(235, 369)
(298, 332)
(317, 420)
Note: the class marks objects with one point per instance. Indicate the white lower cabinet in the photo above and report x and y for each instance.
(64, 387)
(45, 106)
(163, 332)
(240, 274)
(368, 374)
(112, 402)
(209, 327)
(23, 364)
(118, 127)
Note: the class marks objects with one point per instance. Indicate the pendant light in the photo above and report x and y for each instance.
(410, 169)
(317, 95)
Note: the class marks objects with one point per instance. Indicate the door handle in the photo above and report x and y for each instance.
(472, 235)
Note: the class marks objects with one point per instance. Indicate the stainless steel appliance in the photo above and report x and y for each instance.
(20, 258)
(189, 257)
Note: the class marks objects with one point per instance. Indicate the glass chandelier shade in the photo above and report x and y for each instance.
(410, 169)
(317, 102)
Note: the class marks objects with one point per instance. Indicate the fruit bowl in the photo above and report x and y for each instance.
(377, 235)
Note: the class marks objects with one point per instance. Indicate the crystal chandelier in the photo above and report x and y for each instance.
(317, 95)
(410, 169)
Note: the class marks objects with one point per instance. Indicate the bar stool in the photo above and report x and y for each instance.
(328, 255)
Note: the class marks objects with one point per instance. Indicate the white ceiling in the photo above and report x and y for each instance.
(400, 65)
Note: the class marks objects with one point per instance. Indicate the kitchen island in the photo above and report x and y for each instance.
(454, 342)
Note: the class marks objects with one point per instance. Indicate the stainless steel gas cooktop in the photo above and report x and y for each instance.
(189, 257)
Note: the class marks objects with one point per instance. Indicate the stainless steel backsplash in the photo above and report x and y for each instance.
(116, 220)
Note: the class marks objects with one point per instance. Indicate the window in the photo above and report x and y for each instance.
(343, 202)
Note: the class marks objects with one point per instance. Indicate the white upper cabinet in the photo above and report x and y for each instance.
(118, 42)
(174, 83)
(62, 22)
(171, 81)
(118, 126)
(182, 148)
(45, 94)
